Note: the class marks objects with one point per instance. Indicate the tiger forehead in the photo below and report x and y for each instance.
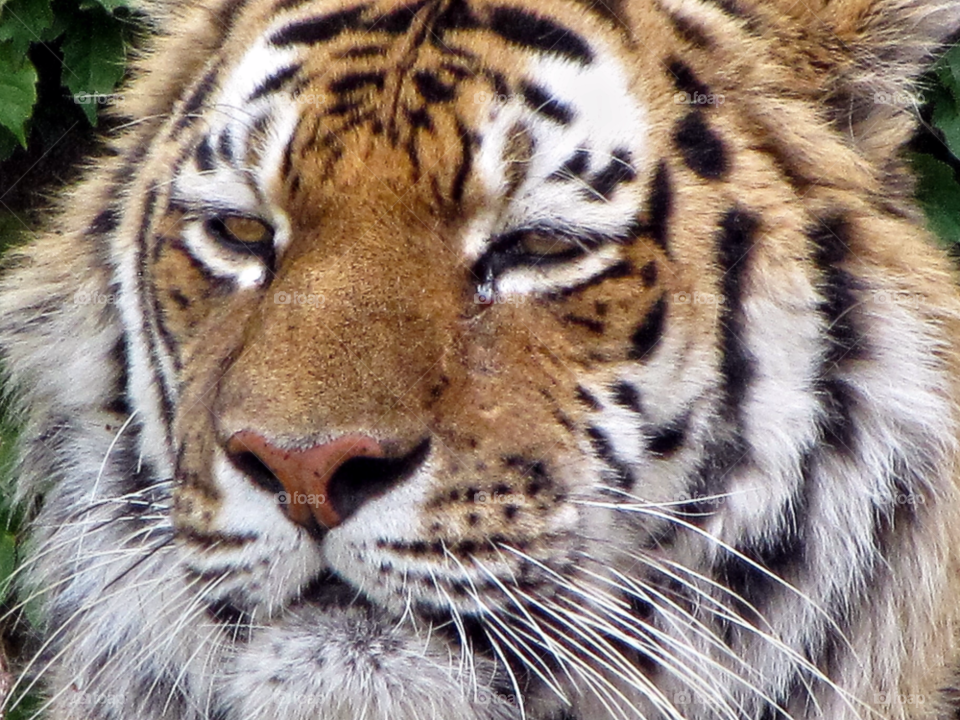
(528, 114)
(399, 74)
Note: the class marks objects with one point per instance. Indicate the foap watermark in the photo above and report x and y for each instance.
(299, 498)
(698, 98)
(896, 297)
(94, 703)
(886, 699)
(497, 498)
(697, 298)
(483, 696)
(82, 297)
(482, 98)
(489, 297)
(96, 98)
(900, 99)
(303, 98)
(900, 499)
(283, 297)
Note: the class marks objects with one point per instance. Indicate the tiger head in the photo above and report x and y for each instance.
(547, 336)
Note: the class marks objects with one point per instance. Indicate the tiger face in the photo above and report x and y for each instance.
(497, 361)
(456, 450)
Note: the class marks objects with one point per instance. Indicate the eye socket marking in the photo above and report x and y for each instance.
(525, 248)
(243, 234)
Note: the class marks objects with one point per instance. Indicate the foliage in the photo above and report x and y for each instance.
(89, 34)
(938, 170)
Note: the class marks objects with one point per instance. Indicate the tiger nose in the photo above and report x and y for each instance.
(310, 483)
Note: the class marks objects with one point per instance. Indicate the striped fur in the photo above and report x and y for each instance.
(634, 292)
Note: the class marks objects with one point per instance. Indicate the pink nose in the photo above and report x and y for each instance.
(305, 474)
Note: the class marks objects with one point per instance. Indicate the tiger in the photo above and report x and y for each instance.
(495, 360)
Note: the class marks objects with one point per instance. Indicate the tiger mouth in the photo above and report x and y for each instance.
(462, 631)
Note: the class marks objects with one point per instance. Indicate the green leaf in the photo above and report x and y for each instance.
(23, 22)
(947, 120)
(27, 708)
(939, 194)
(18, 91)
(93, 59)
(8, 561)
(952, 61)
(8, 143)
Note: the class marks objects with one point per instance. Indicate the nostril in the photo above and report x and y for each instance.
(363, 478)
(323, 483)
(254, 468)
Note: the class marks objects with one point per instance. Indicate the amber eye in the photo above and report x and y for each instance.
(242, 229)
(542, 245)
(243, 234)
(525, 248)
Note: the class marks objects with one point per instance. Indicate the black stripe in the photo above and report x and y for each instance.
(204, 155)
(538, 33)
(618, 170)
(344, 107)
(735, 242)
(166, 398)
(355, 81)
(684, 79)
(665, 441)
(286, 163)
(649, 273)
(541, 102)
(840, 289)
(224, 143)
(420, 119)
(397, 21)
(195, 101)
(627, 396)
(601, 444)
(466, 162)
(119, 402)
(432, 89)
(362, 52)
(595, 326)
(575, 165)
(647, 335)
(690, 31)
(782, 552)
(659, 207)
(456, 16)
(587, 398)
(838, 399)
(618, 270)
(701, 148)
(319, 29)
(723, 455)
(274, 82)
(104, 223)
(786, 165)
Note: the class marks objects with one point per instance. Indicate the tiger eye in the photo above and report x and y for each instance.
(247, 229)
(543, 245)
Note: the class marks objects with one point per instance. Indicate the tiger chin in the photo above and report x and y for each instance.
(496, 361)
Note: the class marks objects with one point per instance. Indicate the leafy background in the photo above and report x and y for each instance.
(62, 60)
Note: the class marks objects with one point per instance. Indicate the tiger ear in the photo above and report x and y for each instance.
(882, 47)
